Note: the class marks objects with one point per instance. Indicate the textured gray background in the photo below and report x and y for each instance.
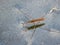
(10, 18)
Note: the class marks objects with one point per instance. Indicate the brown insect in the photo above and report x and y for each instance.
(36, 20)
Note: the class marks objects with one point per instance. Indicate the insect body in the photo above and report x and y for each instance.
(36, 20)
(35, 26)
